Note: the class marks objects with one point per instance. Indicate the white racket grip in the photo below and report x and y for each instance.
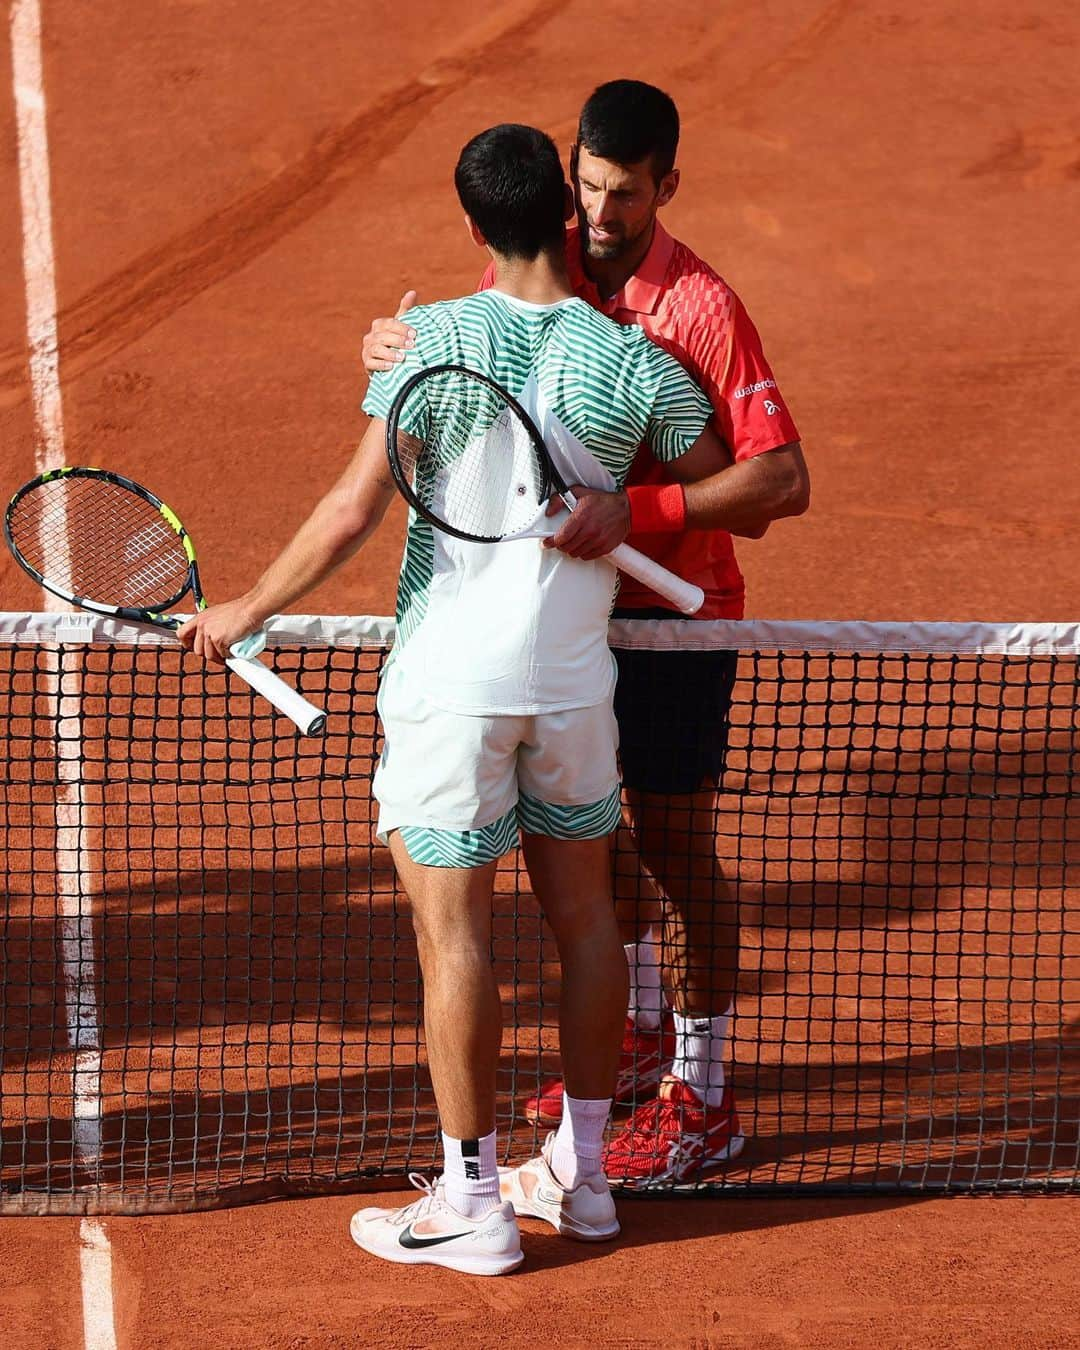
(683, 594)
(310, 720)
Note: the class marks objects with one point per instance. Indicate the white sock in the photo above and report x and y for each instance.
(700, 1046)
(471, 1175)
(579, 1140)
(646, 990)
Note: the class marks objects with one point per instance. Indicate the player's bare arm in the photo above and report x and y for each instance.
(742, 498)
(345, 517)
(746, 497)
(387, 340)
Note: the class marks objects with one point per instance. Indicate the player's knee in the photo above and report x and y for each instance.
(583, 925)
(445, 945)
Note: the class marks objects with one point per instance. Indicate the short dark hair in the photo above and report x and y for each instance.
(510, 181)
(627, 121)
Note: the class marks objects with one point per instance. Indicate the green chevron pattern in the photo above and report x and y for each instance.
(474, 848)
(610, 386)
(591, 821)
(461, 848)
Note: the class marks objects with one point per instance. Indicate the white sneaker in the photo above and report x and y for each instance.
(586, 1213)
(430, 1232)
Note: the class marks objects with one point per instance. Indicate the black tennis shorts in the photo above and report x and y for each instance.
(673, 710)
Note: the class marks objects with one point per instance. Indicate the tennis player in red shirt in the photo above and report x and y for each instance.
(682, 953)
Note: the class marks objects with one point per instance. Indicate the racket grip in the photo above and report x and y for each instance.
(684, 595)
(310, 720)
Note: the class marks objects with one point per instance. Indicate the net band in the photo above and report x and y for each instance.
(676, 634)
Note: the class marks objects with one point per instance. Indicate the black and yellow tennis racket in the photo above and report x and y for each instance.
(108, 545)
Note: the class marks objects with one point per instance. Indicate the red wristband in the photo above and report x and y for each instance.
(657, 509)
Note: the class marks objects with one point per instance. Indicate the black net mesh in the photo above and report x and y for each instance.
(208, 983)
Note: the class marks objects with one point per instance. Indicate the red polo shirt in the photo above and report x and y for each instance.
(687, 309)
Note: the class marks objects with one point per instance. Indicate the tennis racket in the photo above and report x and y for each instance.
(103, 543)
(468, 458)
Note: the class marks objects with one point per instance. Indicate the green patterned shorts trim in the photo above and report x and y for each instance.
(475, 848)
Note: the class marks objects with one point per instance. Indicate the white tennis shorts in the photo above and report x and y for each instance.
(460, 787)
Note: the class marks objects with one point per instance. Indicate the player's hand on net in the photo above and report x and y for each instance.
(599, 523)
(386, 342)
(214, 631)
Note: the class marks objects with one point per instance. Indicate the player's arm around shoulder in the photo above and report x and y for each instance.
(389, 343)
(387, 340)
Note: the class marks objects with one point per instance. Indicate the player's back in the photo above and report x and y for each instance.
(513, 627)
(600, 379)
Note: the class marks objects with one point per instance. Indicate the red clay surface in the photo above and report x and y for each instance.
(891, 191)
(703, 1276)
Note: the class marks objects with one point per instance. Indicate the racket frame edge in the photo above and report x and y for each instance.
(549, 476)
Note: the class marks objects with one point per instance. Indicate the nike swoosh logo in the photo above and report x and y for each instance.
(408, 1240)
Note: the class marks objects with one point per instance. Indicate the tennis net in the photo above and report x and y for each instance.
(208, 984)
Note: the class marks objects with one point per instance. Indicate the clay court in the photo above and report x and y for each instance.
(235, 194)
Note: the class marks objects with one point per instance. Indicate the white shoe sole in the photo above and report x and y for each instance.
(568, 1229)
(472, 1264)
(564, 1224)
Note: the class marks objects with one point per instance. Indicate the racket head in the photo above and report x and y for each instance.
(466, 455)
(102, 541)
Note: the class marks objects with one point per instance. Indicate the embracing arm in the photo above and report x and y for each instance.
(387, 340)
(348, 514)
(709, 492)
(743, 498)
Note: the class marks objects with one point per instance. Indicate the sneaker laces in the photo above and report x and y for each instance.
(429, 1201)
(641, 1130)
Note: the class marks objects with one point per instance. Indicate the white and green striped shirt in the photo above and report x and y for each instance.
(514, 627)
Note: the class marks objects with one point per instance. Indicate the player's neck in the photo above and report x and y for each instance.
(543, 281)
(610, 275)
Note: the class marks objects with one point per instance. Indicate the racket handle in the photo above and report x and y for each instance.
(684, 595)
(310, 720)
(252, 646)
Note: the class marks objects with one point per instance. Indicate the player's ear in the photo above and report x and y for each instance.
(568, 203)
(474, 233)
(669, 185)
(573, 162)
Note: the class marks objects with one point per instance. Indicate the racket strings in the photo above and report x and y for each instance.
(99, 541)
(469, 458)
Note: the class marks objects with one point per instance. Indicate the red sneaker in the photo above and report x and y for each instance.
(675, 1138)
(645, 1057)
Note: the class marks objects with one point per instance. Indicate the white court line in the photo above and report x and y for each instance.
(39, 267)
(73, 863)
(95, 1266)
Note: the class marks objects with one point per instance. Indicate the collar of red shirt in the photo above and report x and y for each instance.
(643, 289)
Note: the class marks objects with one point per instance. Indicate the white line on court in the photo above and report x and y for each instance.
(38, 263)
(73, 863)
(95, 1266)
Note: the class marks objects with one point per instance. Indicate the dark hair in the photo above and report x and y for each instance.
(510, 181)
(627, 121)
